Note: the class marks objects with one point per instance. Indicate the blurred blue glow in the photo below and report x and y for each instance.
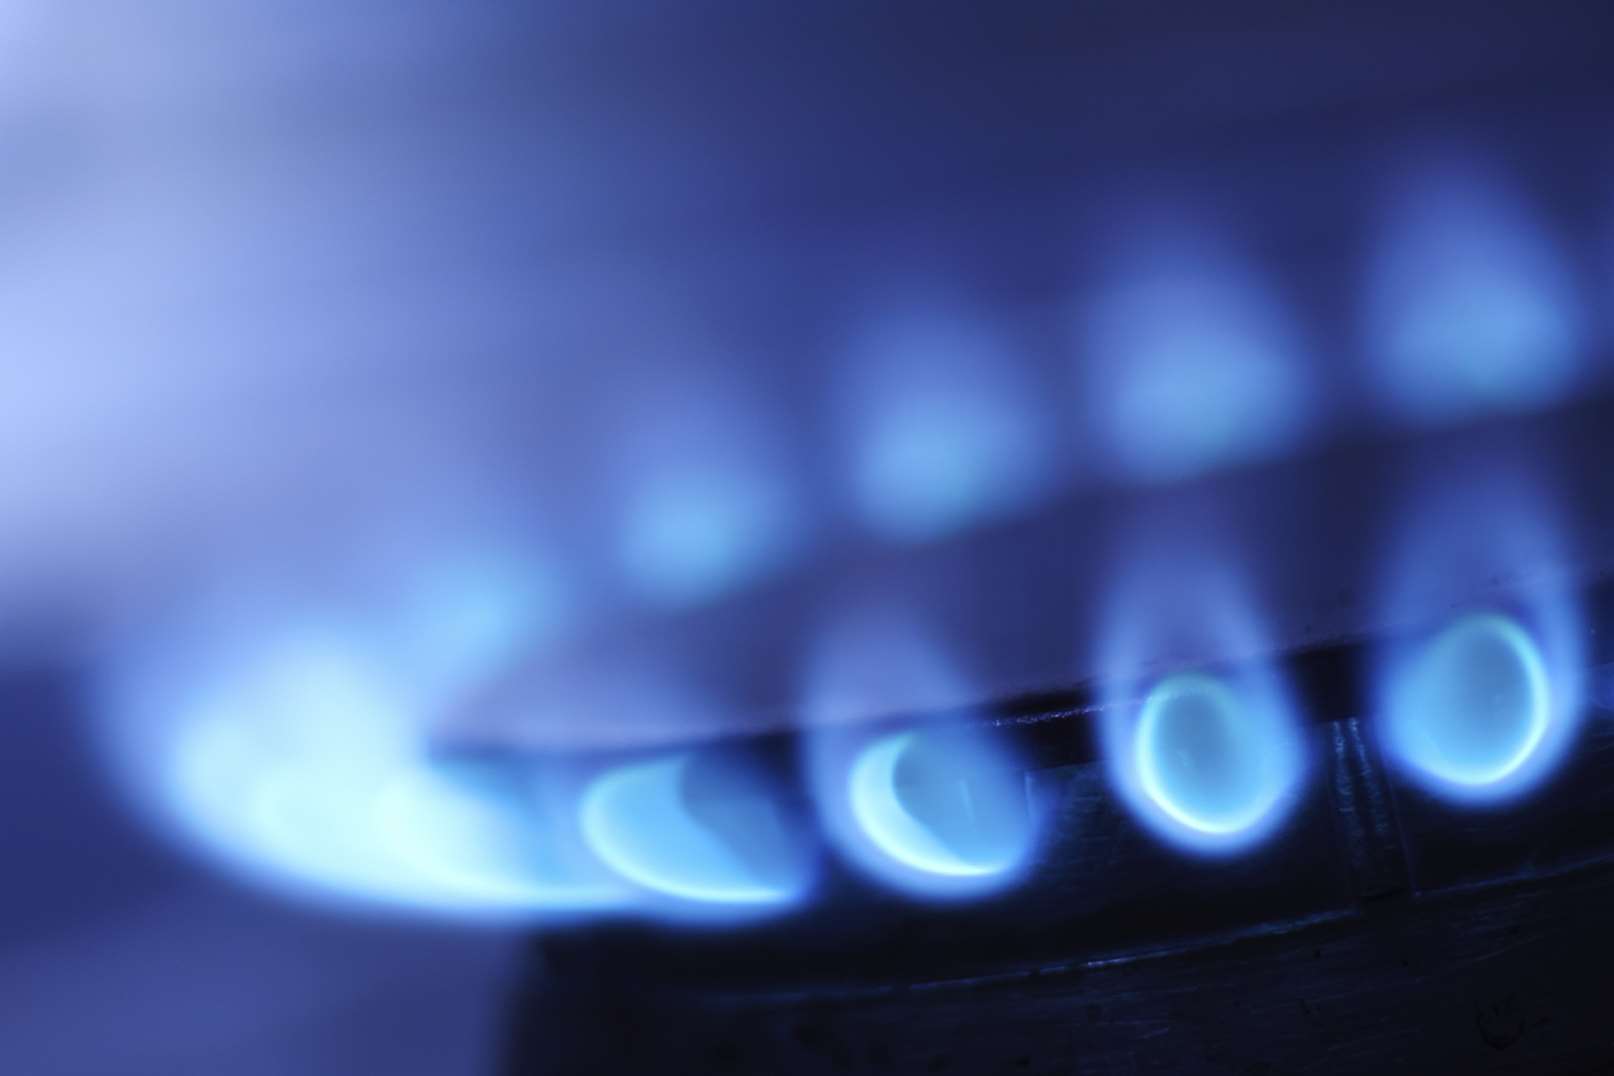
(1210, 762)
(942, 815)
(703, 500)
(466, 616)
(690, 538)
(1472, 308)
(875, 659)
(1485, 708)
(492, 839)
(293, 750)
(1191, 362)
(1204, 757)
(946, 428)
(274, 763)
(639, 820)
(1473, 704)
(309, 777)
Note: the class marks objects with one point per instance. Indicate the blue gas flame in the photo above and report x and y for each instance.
(639, 819)
(306, 769)
(1472, 308)
(945, 426)
(956, 822)
(1189, 359)
(293, 748)
(694, 534)
(1205, 756)
(1481, 698)
(496, 838)
(938, 810)
(704, 502)
(1209, 756)
(1472, 705)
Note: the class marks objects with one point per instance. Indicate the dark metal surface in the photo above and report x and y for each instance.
(1513, 978)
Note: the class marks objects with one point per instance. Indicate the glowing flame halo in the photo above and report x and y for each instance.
(1208, 761)
(739, 853)
(936, 809)
(1482, 709)
(291, 747)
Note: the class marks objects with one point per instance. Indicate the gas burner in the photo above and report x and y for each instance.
(1384, 917)
(877, 540)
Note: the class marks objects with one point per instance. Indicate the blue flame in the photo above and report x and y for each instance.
(945, 814)
(703, 499)
(1472, 308)
(293, 749)
(946, 428)
(693, 536)
(640, 820)
(495, 835)
(1473, 704)
(1204, 757)
(305, 772)
(876, 660)
(1191, 363)
(466, 615)
(1483, 708)
(1209, 761)
(938, 811)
